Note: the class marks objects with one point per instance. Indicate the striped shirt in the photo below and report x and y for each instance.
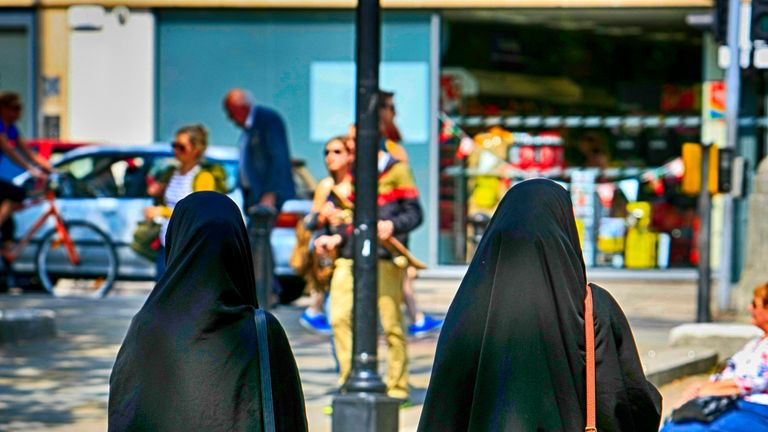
(179, 186)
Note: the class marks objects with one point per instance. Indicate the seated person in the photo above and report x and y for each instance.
(745, 375)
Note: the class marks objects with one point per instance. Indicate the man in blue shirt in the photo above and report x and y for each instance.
(13, 147)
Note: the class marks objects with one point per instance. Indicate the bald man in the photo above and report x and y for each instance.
(265, 162)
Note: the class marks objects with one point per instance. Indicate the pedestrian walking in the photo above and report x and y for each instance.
(399, 213)
(511, 355)
(421, 324)
(737, 396)
(190, 174)
(190, 359)
(265, 175)
(326, 218)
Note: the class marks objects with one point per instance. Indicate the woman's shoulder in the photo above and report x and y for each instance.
(604, 302)
(324, 186)
(326, 183)
(601, 294)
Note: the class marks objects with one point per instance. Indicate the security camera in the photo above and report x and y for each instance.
(122, 13)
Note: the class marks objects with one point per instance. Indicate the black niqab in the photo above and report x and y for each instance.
(190, 358)
(511, 352)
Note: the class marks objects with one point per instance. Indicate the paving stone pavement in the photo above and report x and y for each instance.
(62, 384)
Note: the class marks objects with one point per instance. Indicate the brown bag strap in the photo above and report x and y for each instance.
(589, 330)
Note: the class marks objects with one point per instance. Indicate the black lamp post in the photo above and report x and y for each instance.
(365, 407)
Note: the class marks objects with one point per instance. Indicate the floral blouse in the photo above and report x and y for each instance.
(749, 368)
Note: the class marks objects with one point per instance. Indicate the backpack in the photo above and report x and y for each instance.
(219, 176)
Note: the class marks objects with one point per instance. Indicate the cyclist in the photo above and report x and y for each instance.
(14, 147)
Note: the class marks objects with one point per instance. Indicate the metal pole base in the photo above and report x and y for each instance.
(365, 412)
(260, 221)
(364, 378)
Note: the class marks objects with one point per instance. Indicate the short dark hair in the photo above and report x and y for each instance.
(9, 99)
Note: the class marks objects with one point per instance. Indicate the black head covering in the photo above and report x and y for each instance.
(511, 352)
(190, 358)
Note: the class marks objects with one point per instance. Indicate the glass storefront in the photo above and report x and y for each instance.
(599, 100)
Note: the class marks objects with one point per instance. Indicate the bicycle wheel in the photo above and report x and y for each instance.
(93, 275)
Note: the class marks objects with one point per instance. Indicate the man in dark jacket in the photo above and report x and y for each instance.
(265, 162)
(265, 175)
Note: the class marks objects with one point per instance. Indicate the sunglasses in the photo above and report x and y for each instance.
(179, 147)
(334, 151)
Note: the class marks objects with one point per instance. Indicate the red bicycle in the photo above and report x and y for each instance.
(73, 257)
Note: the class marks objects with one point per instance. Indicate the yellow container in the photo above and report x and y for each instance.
(610, 235)
(641, 210)
(610, 244)
(486, 194)
(640, 252)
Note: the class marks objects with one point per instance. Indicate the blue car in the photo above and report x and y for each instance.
(107, 186)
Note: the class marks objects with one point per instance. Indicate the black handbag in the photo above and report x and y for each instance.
(266, 377)
(704, 409)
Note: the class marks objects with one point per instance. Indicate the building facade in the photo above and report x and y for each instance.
(599, 95)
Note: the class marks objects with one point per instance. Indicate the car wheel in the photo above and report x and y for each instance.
(291, 288)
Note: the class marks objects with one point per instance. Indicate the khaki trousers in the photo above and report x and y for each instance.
(390, 296)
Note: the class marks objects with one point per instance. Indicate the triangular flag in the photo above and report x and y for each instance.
(630, 188)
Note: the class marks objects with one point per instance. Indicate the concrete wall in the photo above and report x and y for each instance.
(111, 76)
(54, 56)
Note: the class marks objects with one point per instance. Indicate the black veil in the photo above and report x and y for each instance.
(510, 356)
(190, 358)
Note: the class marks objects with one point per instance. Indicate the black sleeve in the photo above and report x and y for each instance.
(409, 217)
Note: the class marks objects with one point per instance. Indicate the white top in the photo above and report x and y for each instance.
(749, 368)
(177, 188)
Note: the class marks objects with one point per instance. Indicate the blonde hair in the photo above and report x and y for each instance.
(344, 140)
(197, 134)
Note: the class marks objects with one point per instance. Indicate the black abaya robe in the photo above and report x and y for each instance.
(510, 356)
(189, 361)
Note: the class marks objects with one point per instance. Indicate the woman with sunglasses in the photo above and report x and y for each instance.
(324, 216)
(190, 174)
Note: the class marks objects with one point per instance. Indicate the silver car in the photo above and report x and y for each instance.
(107, 186)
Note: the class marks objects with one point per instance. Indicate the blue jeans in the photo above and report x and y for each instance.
(745, 417)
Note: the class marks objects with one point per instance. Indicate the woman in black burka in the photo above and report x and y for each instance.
(511, 353)
(190, 360)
